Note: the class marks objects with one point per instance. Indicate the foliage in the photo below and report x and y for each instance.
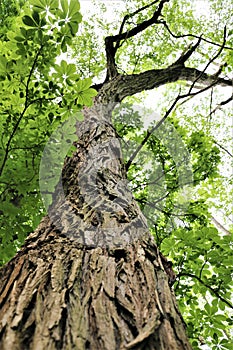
(178, 177)
(181, 223)
(37, 93)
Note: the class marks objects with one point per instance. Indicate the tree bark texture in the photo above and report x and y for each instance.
(56, 295)
(91, 276)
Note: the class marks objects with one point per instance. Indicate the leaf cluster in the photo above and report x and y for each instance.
(181, 223)
(38, 91)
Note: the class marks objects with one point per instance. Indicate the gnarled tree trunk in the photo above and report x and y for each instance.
(90, 276)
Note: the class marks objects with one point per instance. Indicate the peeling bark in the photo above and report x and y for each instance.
(56, 294)
(90, 276)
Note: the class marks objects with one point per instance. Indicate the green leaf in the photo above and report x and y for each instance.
(29, 21)
(44, 4)
(73, 27)
(74, 7)
(36, 17)
(19, 39)
(65, 6)
(83, 85)
(3, 64)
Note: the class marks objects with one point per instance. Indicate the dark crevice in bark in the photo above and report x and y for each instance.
(119, 254)
(117, 333)
(26, 314)
(62, 325)
(28, 335)
(2, 330)
(128, 317)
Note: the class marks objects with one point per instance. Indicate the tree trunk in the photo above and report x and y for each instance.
(91, 276)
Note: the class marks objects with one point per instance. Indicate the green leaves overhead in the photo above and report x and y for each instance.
(180, 221)
(70, 12)
(84, 92)
(36, 94)
(64, 18)
(66, 72)
(33, 21)
(46, 5)
(40, 89)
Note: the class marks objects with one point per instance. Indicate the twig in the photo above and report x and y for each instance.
(207, 286)
(208, 64)
(26, 105)
(192, 36)
(221, 104)
(223, 148)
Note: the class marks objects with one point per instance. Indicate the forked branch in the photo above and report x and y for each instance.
(112, 43)
(213, 80)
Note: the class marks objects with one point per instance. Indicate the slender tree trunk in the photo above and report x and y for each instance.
(90, 276)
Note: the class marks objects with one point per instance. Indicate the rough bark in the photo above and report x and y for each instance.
(128, 85)
(58, 295)
(90, 276)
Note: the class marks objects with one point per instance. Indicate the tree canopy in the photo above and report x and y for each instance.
(176, 139)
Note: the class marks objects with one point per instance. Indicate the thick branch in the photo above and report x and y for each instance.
(128, 85)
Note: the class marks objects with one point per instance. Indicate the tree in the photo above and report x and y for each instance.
(91, 275)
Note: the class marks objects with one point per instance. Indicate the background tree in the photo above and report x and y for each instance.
(77, 262)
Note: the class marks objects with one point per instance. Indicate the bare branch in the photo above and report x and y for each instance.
(220, 105)
(192, 36)
(179, 97)
(149, 133)
(130, 15)
(211, 100)
(141, 26)
(213, 290)
(195, 75)
(110, 55)
(223, 148)
(207, 65)
(128, 85)
(110, 40)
